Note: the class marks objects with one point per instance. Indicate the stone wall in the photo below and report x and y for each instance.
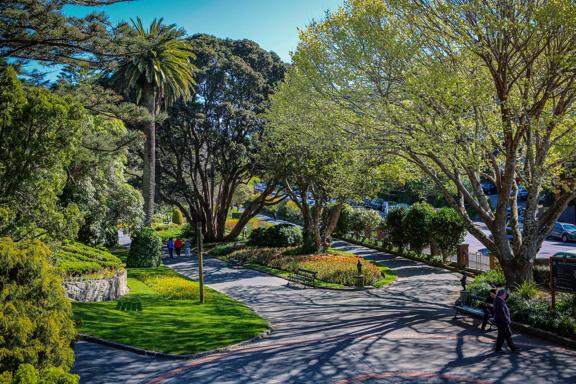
(97, 289)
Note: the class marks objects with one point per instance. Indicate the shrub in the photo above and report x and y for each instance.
(527, 290)
(177, 216)
(448, 230)
(145, 250)
(284, 235)
(290, 210)
(35, 316)
(258, 237)
(394, 221)
(417, 226)
(366, 219)
(77, 259)
(27, 374)
(541, 275)
(281, 235)
(345, 220)
(173, 287)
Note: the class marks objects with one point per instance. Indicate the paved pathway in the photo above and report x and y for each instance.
(399, 334)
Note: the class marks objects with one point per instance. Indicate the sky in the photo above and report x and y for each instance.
(273, 24)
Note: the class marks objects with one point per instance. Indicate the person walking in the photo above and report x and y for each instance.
(187, 246)
(170, 246)
(488, 308)
(178, 245)
(503, 321)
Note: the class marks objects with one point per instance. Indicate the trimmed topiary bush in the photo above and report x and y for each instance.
(281, 235)
(36, 327)
(77, 259)
(177, 217)
(447, 228)
(394, 221)
(417, 226)
(284, 235)
(145, 250)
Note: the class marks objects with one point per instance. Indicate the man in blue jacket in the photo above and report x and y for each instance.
(503, 321)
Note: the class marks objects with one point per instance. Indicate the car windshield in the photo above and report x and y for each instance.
(569, 227)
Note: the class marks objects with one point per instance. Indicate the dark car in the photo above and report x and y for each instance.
(564, 231)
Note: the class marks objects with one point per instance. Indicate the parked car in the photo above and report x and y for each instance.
(571, 253)
(564, 231)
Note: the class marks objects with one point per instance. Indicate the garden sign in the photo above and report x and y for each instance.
(562, 276)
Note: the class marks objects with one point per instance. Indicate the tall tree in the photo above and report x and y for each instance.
(209, 144)
(155, 74)
(466, 91)
(318, 161)
(39, 133)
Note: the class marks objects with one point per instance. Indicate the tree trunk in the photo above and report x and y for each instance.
(149, 171)
(516, 272)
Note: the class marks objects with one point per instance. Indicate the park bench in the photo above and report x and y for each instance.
(302, 276)
(471, 305)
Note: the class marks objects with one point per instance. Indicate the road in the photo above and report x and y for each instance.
(549, 247)
(402, 333)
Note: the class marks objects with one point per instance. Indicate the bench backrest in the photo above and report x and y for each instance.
(307, 273)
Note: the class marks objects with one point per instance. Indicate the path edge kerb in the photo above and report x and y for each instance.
(162, 355)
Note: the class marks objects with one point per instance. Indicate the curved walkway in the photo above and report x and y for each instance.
(402, 333)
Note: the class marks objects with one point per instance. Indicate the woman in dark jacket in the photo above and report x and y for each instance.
(503, 321)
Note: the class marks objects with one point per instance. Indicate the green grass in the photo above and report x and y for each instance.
(147, 319)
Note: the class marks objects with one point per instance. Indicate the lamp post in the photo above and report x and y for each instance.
(200, 251)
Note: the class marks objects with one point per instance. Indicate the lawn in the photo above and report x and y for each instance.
(162, 314)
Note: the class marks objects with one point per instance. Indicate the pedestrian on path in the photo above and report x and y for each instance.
(187, 248)
(178, 245)
(170, 246)
(503, 321)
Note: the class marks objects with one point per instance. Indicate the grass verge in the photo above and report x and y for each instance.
(162, 314)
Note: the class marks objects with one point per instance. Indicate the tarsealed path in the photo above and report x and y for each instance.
(402, 333)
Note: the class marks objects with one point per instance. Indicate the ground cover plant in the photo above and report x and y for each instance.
(162, 314)
(334, 269)
(35, 320)
(531, 305)
(76, 259)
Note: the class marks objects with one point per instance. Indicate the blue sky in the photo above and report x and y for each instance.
(272, 24)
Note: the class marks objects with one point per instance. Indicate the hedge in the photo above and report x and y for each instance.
(77, 259)
(145, 249)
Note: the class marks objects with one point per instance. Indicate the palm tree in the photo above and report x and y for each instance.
(157, 72)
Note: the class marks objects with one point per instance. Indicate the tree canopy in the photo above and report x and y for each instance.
(209, 143)
(466, 91)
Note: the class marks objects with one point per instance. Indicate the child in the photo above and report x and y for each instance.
(187, 248)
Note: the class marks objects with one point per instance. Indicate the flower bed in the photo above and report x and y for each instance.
(332, 268)
(531, 306)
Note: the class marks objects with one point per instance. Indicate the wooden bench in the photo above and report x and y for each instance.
(302, 276)
(471, 305)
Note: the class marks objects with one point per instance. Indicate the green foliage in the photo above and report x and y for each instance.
(77, 259)
(281, 235)
(26, 374)
(541, 274)
(345, 220)
(394, 224)
(289, 210)
(447, 228)
(527, 290)
(416, 226)
(35, 318)
(97, 185)
(40, 133)
(145, 249)
(177, 217)
(237, 77)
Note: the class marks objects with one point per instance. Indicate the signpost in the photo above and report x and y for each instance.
(562, 276)
(199, 252)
